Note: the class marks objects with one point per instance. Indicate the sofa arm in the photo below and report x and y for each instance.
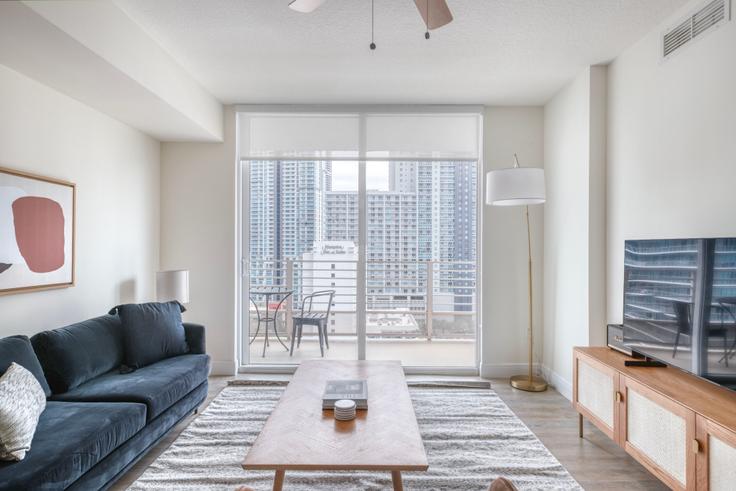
(195, 338)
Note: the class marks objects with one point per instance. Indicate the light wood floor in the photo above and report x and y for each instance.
(595, 461)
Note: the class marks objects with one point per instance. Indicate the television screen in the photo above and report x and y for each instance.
(680, 304)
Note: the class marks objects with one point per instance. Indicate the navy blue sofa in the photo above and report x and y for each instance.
(98, 421)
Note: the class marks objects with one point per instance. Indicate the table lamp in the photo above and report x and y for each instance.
(173, 285)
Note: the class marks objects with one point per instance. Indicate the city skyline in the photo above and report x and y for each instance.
(424, 211)
(291, 203)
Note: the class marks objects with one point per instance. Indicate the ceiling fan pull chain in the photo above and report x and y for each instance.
(373, 44)
(426, 34)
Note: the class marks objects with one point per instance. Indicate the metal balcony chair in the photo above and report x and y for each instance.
(308, 317)
(269, 316)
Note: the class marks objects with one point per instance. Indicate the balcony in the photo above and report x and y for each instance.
(422, 313)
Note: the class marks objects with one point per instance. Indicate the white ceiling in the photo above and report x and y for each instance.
(500, 52)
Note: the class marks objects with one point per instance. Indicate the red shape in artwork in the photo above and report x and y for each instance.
(39, 232)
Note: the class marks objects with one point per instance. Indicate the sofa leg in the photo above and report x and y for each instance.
(196, 410)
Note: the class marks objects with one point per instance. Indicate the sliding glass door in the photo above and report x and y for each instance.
(296, 249)
(421, 262)
(359, 257)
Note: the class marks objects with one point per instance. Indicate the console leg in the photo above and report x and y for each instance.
(580, 425)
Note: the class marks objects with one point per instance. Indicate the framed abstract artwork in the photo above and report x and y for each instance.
(37, 228)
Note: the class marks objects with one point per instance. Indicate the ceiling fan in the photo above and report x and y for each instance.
(435, 13)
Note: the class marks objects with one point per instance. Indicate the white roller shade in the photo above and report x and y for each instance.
(451, 136)
(386, 135)
(299, 135)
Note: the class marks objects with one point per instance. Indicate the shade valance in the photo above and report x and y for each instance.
(363, 134)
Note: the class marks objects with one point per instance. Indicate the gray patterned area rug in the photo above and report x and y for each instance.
(470, 436)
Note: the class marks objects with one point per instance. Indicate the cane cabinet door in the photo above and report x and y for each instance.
(659, 433)
(716, 456)
(594, 393)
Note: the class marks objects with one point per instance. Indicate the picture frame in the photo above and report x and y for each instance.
(37, 232)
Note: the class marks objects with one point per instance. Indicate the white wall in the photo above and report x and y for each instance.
(504, 352)
(116, 170)
(573, 259)
(671, 145)
(198, 233)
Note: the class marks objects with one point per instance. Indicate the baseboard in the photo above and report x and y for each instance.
(224, 367)
(504, 370)
(561, 385)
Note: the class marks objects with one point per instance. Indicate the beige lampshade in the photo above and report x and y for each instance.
(515, 186)
(172, 285)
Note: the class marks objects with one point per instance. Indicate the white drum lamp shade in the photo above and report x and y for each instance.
(172, 285)
(515, 186)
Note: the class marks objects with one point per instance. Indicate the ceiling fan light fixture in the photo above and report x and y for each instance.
(441, 14)
(305, 6)
(426, 23)
(372, 46)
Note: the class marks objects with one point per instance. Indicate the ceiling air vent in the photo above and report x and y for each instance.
(711, 15)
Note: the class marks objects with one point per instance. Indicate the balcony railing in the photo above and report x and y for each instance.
(407, 299)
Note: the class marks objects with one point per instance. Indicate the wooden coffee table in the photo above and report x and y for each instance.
(299, 435)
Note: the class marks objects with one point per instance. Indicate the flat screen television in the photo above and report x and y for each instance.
(680, 304)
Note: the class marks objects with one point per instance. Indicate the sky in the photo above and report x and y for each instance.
(345, 176)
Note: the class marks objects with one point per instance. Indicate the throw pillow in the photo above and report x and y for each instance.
(22, 400)
(151, 332)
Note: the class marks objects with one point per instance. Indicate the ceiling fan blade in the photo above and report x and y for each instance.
(305, 6)
(435, 13)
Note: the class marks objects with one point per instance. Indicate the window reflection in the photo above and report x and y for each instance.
(680, 304)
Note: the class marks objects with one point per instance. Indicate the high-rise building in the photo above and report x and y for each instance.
(391, 248)
(402, 177)
(286, 213)
(300, 201)
(428, 213)
(446, 210)
(464, 236)
(264, 223)
(341, 216)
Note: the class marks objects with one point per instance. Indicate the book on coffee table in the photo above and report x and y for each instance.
(355, 390)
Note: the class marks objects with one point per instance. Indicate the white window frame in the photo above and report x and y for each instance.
(243, 225)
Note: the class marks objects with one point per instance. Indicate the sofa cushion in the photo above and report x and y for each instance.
(70, 439)
(108, 470)
(158, 386)
(18, 349)
(77, 353)
(152, 332)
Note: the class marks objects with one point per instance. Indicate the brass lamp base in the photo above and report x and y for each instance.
(523, 382)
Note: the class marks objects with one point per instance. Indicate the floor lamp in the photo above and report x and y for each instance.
(520, 186)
